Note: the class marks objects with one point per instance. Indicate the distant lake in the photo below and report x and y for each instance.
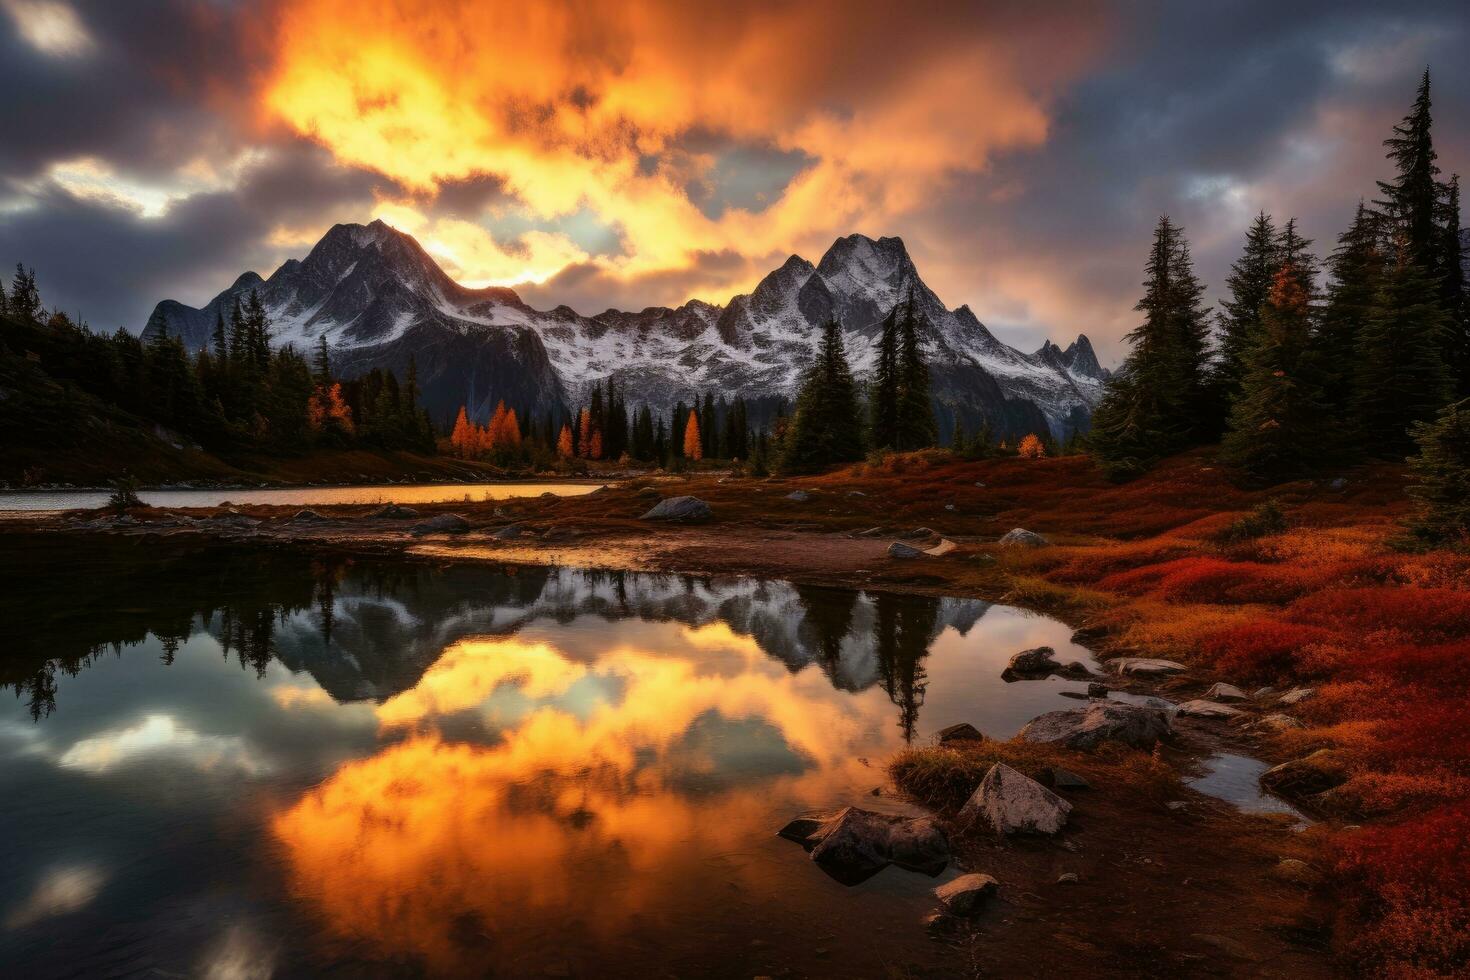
(428, 493)
(268, 763)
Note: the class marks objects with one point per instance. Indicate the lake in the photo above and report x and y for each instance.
(427, 493)
(257, 763)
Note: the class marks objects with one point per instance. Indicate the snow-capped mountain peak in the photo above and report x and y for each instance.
(379, 299)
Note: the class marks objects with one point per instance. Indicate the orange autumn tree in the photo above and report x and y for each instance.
(693, 448)
(461, 438)
(1031, 447)
(326, 407)
(564, 442)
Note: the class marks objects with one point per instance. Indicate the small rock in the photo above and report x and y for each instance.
(1278, 722)
(918, 532)
(941, 924)
(853, 844)
(800, 496)
(1100, 721)
(441, 524)
(1317, 773)
(1297, 695)
(856, 493)
(1096, 690)
(1013, 803)
(944, 547)
(648, 491)
(307, 517)
(509, 532)
(1199, 708)
(1038, 660)
(900, 550)
(1146, 666)
(393, 512)
(1298, 873)
(1059, 778)
(681, 509)
(1337, 483)
(1022, 538)
(1262, 693)
(1226, 692)
(963, 732)
(965, 894)
(949, 507)
(872, 532)
(1067, 878)
(979, 484)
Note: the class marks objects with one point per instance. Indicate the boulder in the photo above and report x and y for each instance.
(1278, 722)
(966, 894)
(944, 547)
(1058, 778)
(1200, 708)
(1317, 773)
(900, 550)
(1146, 666)
(1296, 696)
(1226, 693)
(393, 512)
(1100, 721)
(509, 533)
(963, 732)
(1021, 538)
(854, 844)
(1012, 803)
(442, 524)
(682, 509)
(800, 496)
(1033, 662)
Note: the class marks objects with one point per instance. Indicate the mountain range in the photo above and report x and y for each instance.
(379, 299)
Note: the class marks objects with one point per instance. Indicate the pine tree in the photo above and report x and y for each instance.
(1401, 377)
(322, 366)
(221, 344)
(709, 430)
(884, 400)
(826, 429)
(1159, 401)
(1355, 273)
(1441, 477)
(1453, 292)
(916, 428)
(1249, 283)
(1274, 429)
(1411, 199)
(25, 298)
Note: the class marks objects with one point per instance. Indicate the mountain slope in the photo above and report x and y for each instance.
(379, 298)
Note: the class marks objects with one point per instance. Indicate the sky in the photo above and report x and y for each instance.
(643, 153)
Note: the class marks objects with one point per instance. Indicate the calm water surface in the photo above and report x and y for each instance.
(429, 493)
(256, 764)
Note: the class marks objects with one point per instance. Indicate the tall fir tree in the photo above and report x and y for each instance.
(1401, 377)
(1159, 401)
(1355, 272)
(827, 427)
(916, 428)
(1275, 422)
(1411, 199)
(1453, 290)
(219, 339)
(883, 403)
(1249, 283)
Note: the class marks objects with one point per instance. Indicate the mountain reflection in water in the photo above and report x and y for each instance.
(447, 767)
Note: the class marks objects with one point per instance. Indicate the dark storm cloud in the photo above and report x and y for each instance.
(106, 261)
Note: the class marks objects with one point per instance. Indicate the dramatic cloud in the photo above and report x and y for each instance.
(648, 152)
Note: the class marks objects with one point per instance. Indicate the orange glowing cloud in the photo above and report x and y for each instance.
(590, 107)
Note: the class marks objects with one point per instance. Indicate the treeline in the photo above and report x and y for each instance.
(239, 393)
(1300, 374)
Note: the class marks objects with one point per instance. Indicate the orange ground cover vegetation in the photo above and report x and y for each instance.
(1332, 602)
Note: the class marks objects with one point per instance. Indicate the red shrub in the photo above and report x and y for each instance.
(1265, 650)
(1409, 889)
(1205, 579)
(1423, 614)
